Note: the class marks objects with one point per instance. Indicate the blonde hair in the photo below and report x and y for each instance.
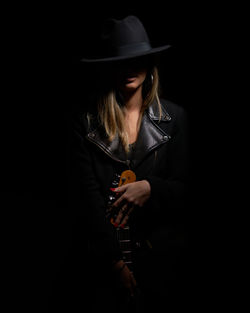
(112, 114)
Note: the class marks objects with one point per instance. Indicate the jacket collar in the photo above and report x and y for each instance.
(154, 113)
(149, 138)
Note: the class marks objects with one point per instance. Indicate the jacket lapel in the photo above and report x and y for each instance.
(149, 138)
(114, 149)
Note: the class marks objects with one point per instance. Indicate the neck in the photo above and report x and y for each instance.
(133, 100)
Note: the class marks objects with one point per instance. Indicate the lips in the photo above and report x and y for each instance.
(129, 77)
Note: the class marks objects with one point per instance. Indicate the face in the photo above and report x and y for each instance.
(130, 75)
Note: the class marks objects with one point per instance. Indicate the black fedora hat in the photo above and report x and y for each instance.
(124, 39)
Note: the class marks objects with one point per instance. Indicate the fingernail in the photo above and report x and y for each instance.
(116, 224)
(122, 225)
(112, 189)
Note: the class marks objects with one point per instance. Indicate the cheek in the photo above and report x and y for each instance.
(141, 78)
(143, 74)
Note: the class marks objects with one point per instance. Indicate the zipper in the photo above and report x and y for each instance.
(128, 163)
(155, 156)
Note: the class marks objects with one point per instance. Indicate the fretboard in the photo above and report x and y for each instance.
(123, 237)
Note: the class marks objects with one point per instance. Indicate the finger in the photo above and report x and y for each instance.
(120, 189)
(118, 218)
(126, 217)
(124, 221)
(118, 201)
(130, 209)
(113, 213)
(120, 214)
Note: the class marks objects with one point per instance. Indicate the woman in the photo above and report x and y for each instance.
(130, 128)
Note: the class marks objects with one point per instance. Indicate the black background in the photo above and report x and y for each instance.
(44, 82)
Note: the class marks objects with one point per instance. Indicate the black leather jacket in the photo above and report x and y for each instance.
(161, 157)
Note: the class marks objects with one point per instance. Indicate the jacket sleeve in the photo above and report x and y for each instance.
(87, 199)
(170, 193)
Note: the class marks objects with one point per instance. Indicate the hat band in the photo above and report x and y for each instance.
(131, 49)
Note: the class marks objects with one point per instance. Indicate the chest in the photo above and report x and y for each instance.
(152, 154)
(157, 163)
(132, 126)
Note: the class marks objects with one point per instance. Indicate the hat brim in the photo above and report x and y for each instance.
(127, 57)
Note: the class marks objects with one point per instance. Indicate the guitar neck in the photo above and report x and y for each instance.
(122, 234)
(123, 237)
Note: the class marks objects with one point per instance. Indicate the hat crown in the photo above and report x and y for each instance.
(123, 32)
(122, 39)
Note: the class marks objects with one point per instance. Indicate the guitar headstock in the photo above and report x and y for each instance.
(127, 177)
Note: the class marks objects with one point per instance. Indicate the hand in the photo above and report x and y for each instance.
(126, 277)
(130, 195)
(136, 193)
